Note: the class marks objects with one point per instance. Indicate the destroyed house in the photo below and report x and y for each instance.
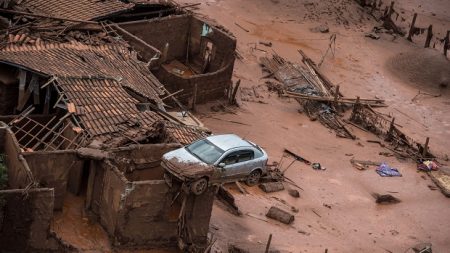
(88, 96)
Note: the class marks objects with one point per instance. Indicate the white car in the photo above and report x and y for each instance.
(216, 159)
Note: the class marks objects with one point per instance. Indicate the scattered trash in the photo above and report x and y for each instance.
(321, 28)
(294, 193)
(424, 247)
(272, 187)
(372, 36)
(385, 199)
(266, 43)
(280, 215)
(427, 165)
(317, 166)
(385, 171)
(236, 249)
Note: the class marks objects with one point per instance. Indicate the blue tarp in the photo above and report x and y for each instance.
(385, 171)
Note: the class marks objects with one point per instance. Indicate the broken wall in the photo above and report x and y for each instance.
(19, 175)
(25, 225)
(52, 169)
(145, 160)
(113, 186)
(144, 217)
(159, 31)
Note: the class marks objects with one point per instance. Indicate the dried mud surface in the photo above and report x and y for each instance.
(336, 210)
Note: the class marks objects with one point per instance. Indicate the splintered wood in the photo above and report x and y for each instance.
(310, 88)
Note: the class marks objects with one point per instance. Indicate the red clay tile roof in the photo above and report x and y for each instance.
(104, 107)
(75, 59)
(74, 9)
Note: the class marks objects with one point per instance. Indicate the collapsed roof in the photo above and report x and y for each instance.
(99, 80)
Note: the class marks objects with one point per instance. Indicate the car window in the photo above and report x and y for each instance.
(205, 151)
(258, 153)
(246, 156)
(230, 159)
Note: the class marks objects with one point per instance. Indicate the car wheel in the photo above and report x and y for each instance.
(253, 178)
(199, 186)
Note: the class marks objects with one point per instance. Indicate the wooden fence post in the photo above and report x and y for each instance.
(425, 147)
(447, 43)
(429, 36)
(412, 28)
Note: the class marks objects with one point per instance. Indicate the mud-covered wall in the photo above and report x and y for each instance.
(26, 221)
(144, 217)
(224, 44)
(51, 169)
(145, 160)
(211, 85)
(19, 175)
(157, 32)
(198, 215)
(114, 185)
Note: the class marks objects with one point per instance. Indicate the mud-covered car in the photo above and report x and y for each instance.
(216, 159)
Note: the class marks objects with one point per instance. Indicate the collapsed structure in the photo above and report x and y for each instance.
(85, 88)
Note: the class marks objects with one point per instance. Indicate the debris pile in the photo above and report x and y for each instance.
(305, 85)
(399, 143)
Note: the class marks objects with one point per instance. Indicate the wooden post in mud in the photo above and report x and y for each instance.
(336, 97)
(391, 128)
(447, 43)
(268, 243)
(412, 28)
(425, 147)
(429, 36)
(233, 96)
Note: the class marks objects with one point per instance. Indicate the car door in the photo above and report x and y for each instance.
(238, 164)
(230, 161)
(246, 163)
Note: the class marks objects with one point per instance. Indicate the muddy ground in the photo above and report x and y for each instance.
(361, 66)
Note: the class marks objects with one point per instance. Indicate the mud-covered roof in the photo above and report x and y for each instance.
(103, 106)
(76, 59)
(183, 134)
(73, 9)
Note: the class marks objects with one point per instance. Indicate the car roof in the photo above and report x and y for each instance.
(228, 141)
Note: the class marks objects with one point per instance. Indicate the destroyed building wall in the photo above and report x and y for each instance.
(18, 170)
(140, 212)
(157, 32)
(52, 169)
(25, 225)
(144, 217)
(25, 214)
(182, 32)
(145, 161)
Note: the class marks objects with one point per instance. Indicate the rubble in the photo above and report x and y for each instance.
(280, 215)
(271, 187)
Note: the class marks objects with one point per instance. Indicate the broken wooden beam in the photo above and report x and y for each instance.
(280, 215)
(371, 102)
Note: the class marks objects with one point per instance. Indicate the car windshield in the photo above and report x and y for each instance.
(205, 151)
